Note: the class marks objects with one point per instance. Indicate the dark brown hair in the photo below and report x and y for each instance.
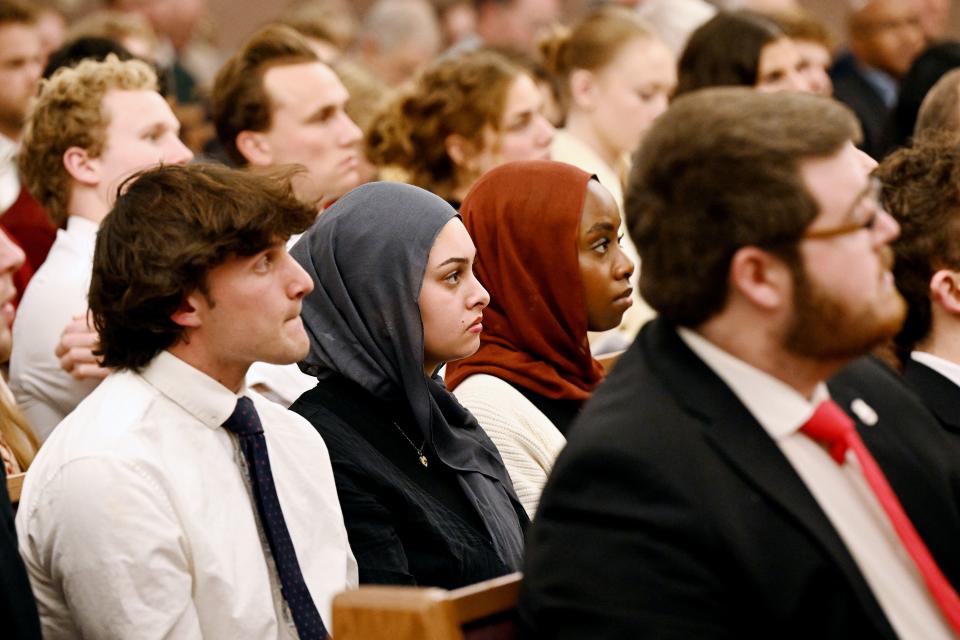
(725, 51)
(921, 189)
(717, 172)
(940, 109)
(17, 12)
(239, 101)
(167, 230)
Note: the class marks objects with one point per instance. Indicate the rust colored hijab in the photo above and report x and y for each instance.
(524, 218)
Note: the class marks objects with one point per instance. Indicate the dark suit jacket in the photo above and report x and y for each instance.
(672, 514)
(940, 394)
(852, 88)
(18, 610)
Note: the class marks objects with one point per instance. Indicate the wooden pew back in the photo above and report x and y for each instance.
(483, 611)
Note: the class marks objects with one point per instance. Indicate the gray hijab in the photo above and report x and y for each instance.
(367, 255)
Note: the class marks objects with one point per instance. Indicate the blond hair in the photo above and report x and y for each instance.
(456, 96)
(592, 44)
(69, 113)
(16, 433)
(368, 94)
(113, 25)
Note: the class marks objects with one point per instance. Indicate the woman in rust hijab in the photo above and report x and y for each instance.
(547, 238)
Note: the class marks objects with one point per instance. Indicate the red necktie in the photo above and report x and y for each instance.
(831, 427)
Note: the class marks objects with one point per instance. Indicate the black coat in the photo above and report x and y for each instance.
(18, 610)
(672, 513)
(940, 394)
(852, 88)
(407, 524)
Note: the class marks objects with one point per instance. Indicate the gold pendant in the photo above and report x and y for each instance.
(423, 460)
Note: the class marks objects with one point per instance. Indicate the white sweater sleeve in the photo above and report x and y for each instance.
(528, 442)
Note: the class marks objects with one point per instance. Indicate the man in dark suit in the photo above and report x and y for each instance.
(920, 191)
(690, 501)
(885, 38)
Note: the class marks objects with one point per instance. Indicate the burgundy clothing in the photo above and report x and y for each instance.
(28, 224)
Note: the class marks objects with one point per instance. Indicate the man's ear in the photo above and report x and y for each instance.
(945, 290)
(254, 146)
(187, 314)
(81, 167)
(761, 278)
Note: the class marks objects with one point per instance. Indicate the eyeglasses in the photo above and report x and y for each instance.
(864, 212)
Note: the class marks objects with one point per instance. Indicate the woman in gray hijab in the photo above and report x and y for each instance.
(425, 496)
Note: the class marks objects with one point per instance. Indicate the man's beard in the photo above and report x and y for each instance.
(825, 327)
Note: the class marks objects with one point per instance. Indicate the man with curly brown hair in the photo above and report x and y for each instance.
(920, 191)
(91, 127)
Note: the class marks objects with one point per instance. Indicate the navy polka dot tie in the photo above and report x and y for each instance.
(246, 424)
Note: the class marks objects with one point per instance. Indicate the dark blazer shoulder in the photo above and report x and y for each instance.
(852, 88)
(939, 393)
(673, 508)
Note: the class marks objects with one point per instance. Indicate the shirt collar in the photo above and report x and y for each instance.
(946, 368)
(882, 82)
(8, 148)
(194, 391)
(77, 225)
(779, 408)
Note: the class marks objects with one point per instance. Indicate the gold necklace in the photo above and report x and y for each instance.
(419, 450)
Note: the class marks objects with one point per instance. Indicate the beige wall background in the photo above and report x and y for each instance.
(234, 20)
(832, 13)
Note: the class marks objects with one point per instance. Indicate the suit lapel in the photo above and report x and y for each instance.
(940, 394)
(747, 448)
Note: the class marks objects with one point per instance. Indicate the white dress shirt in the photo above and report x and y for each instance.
(841, 491)
(56, 293)
(282, 383)
(136, 518)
